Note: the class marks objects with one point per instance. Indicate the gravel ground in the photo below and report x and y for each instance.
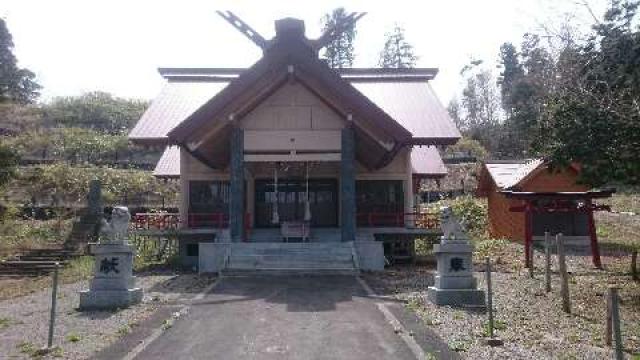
(533, 325)
(24, 320)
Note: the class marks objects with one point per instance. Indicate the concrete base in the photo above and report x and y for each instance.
(494, 342)
(370, 255)
(109, 299)
(456, 297)
(113, 285)
(455, 282)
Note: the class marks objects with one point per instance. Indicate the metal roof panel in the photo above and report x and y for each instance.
(176, 101)
(414, 105)
(169, 163)
(509, 174)
(426, 160)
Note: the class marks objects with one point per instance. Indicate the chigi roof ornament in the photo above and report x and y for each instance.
(290, 27)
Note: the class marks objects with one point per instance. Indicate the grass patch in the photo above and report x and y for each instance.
(167, 324)
(73, 338)
(497, 326)
(79, 268)
(618, 232)
(27, 347)
(626, 199)
(489, 247)
(429, 356)
(459, 345)
(413, 304)
(16, 234)
(124, 330)
(4, 322)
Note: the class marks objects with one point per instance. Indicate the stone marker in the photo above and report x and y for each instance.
(113, 285)
(454, 282)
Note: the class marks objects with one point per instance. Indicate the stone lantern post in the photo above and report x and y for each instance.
(113, 285)
(454, 282)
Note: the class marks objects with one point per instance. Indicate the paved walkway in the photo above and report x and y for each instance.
(292, 317)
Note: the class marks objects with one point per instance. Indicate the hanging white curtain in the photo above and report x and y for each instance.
(275, 217)
(307, 205)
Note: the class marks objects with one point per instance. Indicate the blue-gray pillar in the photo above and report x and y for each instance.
(348, 185)
(236, 201)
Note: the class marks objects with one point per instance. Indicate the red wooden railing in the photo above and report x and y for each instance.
(215, 220)
(169, 221)
(398, 219)
(156, 221)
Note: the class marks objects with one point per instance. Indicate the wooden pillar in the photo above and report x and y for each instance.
(593, 236)
(348, 186)
(236, 201)
(528, 232)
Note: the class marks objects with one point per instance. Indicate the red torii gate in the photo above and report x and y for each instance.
(575, 202)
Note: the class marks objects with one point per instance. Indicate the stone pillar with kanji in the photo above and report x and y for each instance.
(113, 285)
(454, 282)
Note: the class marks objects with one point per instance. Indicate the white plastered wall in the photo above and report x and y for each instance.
(293, 118)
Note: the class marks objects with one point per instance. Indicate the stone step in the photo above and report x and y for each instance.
(297, 256)
(310, 254)
(288, 260)
(48, 251)
(288, 272)
(291, 257)
(282, 263)
(292, 245)
(43, 257)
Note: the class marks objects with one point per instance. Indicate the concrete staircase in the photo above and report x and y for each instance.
(35, 262)
(276, 258)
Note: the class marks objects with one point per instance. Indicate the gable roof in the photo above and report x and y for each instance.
(397, 104)
(508, 174)
(288, 59)
(405, 94)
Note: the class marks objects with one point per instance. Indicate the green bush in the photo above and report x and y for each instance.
(26, 234)
(472, 213)
(71, 184)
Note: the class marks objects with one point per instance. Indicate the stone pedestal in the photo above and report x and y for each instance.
(113, 285)
(454, 282)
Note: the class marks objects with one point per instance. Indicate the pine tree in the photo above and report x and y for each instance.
(339, 53)
(397, 52)
(512, 72)
(16, 84)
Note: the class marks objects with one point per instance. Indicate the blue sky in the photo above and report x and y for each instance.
(117, 45)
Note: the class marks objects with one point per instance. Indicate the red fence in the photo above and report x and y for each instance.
(398, 219)
(156, 221)
(169, 221)
(218, 220)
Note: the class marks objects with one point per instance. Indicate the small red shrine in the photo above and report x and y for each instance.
(526, 198)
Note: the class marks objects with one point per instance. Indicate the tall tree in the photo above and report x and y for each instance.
(526, 80)
(397, 52)
(16, 84)
(339, 53)
(479, 110)
(593, 116)
(511, 74)
(455, 112)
